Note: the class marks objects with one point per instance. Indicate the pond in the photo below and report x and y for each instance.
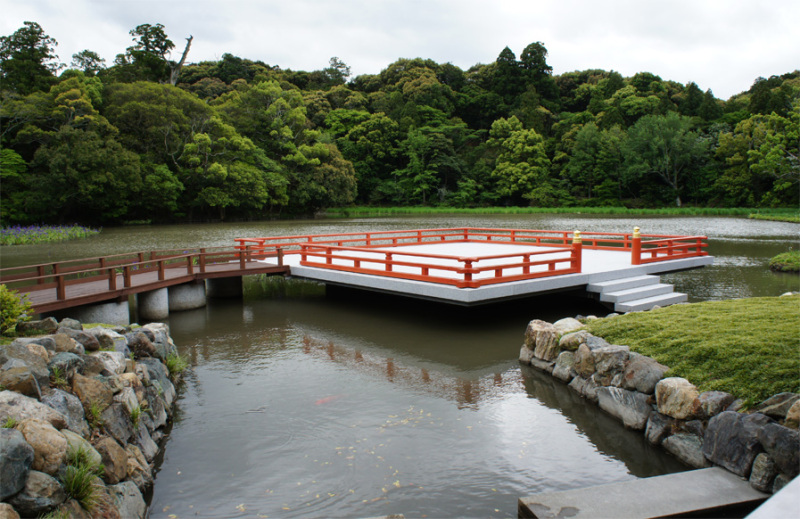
(306, 402)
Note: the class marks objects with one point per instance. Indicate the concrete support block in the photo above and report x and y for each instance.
(187, 296)
(154, 305)
(106, 313)
(224, 288)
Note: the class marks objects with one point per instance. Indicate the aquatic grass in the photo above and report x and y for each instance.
(175, 365)
(366, 211)
(747, 347)
(786, 262)
(32, 234)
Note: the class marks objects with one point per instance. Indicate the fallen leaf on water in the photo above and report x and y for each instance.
(331, 495)
(172, 516)
(397, 483)
(241, 507)
(166, 508)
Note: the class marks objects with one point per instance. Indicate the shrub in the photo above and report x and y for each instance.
(13, 309)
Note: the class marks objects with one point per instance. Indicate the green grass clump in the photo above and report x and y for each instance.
(136, 415)
(175, 365)
(786, 262)
(80, 478)
(10, 423)
(747, 347)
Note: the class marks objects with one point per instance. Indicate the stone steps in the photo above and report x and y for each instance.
(636, 293)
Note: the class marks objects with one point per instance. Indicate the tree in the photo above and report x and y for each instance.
(522, 166)
(667, 148)
(595, 160)
(27, 60)
(149, 57)
(89, 62)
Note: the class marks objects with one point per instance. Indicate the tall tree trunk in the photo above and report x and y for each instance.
(175, 68)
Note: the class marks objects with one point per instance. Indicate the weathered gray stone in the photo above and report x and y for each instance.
(593, 342)
(140, 344)
(16, 459)
(127, 397)
(678, 398)
(659, 427)
(114, 361)
(628, 406)
(128, 500)
(65, 343)
(109, 339)
(77, 443)
(91, 391)
(577, 384)
(21, 380)
(159, 376)
(67, 363)
(117, 422)
(781, 480)
(686, 447)
(35, 363)
(39, 350)
(7, 512)
(93, 366)
(778, 405)
(564, 369)
(567, 325)
(44, 326)
(525, 354)
(49, 445)
(41, 494)
(542, 337)
(642, 374)
(609, 361)
(793, 416)
(70, 406)
(571, 341)
(89, 342)
(72, 324)
(731, 440)
(139, 470)
(584, 361)
(783, 446)
(115, 459)
(763, 474)
(543, 365)
(713, 403)
(21, 407)
(694, 427)
(143, 440)
(590, 389)
(47, 342)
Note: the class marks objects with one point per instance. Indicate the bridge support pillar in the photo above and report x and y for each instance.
(187, 296)
(224, 287)
(153, 305)
(117, 312)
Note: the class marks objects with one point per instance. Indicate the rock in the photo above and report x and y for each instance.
(763, 474)
(145, 442)
(577, 384)
(39, 350)
(731, 440)
(525, 354)
(642, 374)
(595, 342)
(109, 339)
(20, 407)
(42, 327)
(64, 343)
(542, 338)
(584, 361)
(41, 494)
(21, 380)
(105, 507)
(161, 340)
(567, 325)
(16, 459)
(590, 389)
(87, 341)
(543, 365)
(686, 447)
(49, 445)
(128, 500)
(36, 364)
(71, 324)
(70, 406)
(67, 364)
(609, 361)
(659, 427)
(781, 480)
(76, 443)
(157, 414)
(564, 369)
(127, 397)
(7, 512)
(713, 403)
(793, 416)
(783, 446)
(694, 427)
(159, 376)
(628, 406)
(678, 398)
(140, 345)
(117, 422)
(93, 366)
(115, 459)
(778, 406)
(571, 341)
(91, 391)
(114, 361)
(139, 470)
(73, 510)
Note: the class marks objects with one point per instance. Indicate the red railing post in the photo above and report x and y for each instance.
(526, 259)
(577, 251)
(388, 262)
(126, 276)
(636, 247)
(161, 271)
(202, 260)
(112, 278)
(61, 286)
(190, 264)
(468, 270)
(244, 257)
(328, 258)
(40, 274)
(280, 256)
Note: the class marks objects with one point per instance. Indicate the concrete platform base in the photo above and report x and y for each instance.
(153, 305)
(704, 490)
(106, 313)
(187, 296)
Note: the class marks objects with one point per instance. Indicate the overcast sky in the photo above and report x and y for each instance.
(722, 45)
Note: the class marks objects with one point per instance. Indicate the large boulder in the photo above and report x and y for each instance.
(584, 361)
(36, 364)
(609, 363)
(778, 405)
(20, 379)
(564, 368)
(91, 391)
(713, 403)
(658, 428)
(89, 342)
(66, 343)
(42, 493)
(678, 398)
(686, 447)
(642, 374)
(42, 327)
(139, 470)
(117, 422)
(783, 446)
(763, 474)
(128, 500)
(115, 459)
(571, 341)
(140, 344)
(16, 459)
(542, 337)
(70, 406)
(159, 377)
(567, 325)
(630, 407)
(77, 443)
(109, 339)
(65, 363)
(20, 407)
(114, 361)
(731, 440)
(49, 445)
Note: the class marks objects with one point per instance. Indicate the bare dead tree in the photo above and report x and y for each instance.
(175, 68)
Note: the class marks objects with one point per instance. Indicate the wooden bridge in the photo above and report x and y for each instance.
(460, 266)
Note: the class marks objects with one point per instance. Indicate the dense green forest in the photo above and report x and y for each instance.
(149, 138)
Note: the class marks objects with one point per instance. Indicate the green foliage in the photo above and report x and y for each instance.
(175, 365)
(786, 262)
(27, 60)
(747, 347)
(14, 308)
(94, 415)
(136, 414)
(58, 378)
(10, 423)
(80, 478)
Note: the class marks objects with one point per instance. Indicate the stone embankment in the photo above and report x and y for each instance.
(699, 428)
(81, 415)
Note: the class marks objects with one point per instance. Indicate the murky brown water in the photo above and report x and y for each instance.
(310, 404)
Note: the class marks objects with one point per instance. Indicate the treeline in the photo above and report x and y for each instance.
(155, 139)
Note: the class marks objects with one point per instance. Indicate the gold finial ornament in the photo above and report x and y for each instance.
(636, 233)
(576, 237)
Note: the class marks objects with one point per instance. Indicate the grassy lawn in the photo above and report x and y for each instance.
(747, 347)
(786, 262)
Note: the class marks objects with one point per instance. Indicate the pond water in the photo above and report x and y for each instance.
(306, 402)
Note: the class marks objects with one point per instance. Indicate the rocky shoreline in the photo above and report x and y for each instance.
(761, 445)
(82, 413)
